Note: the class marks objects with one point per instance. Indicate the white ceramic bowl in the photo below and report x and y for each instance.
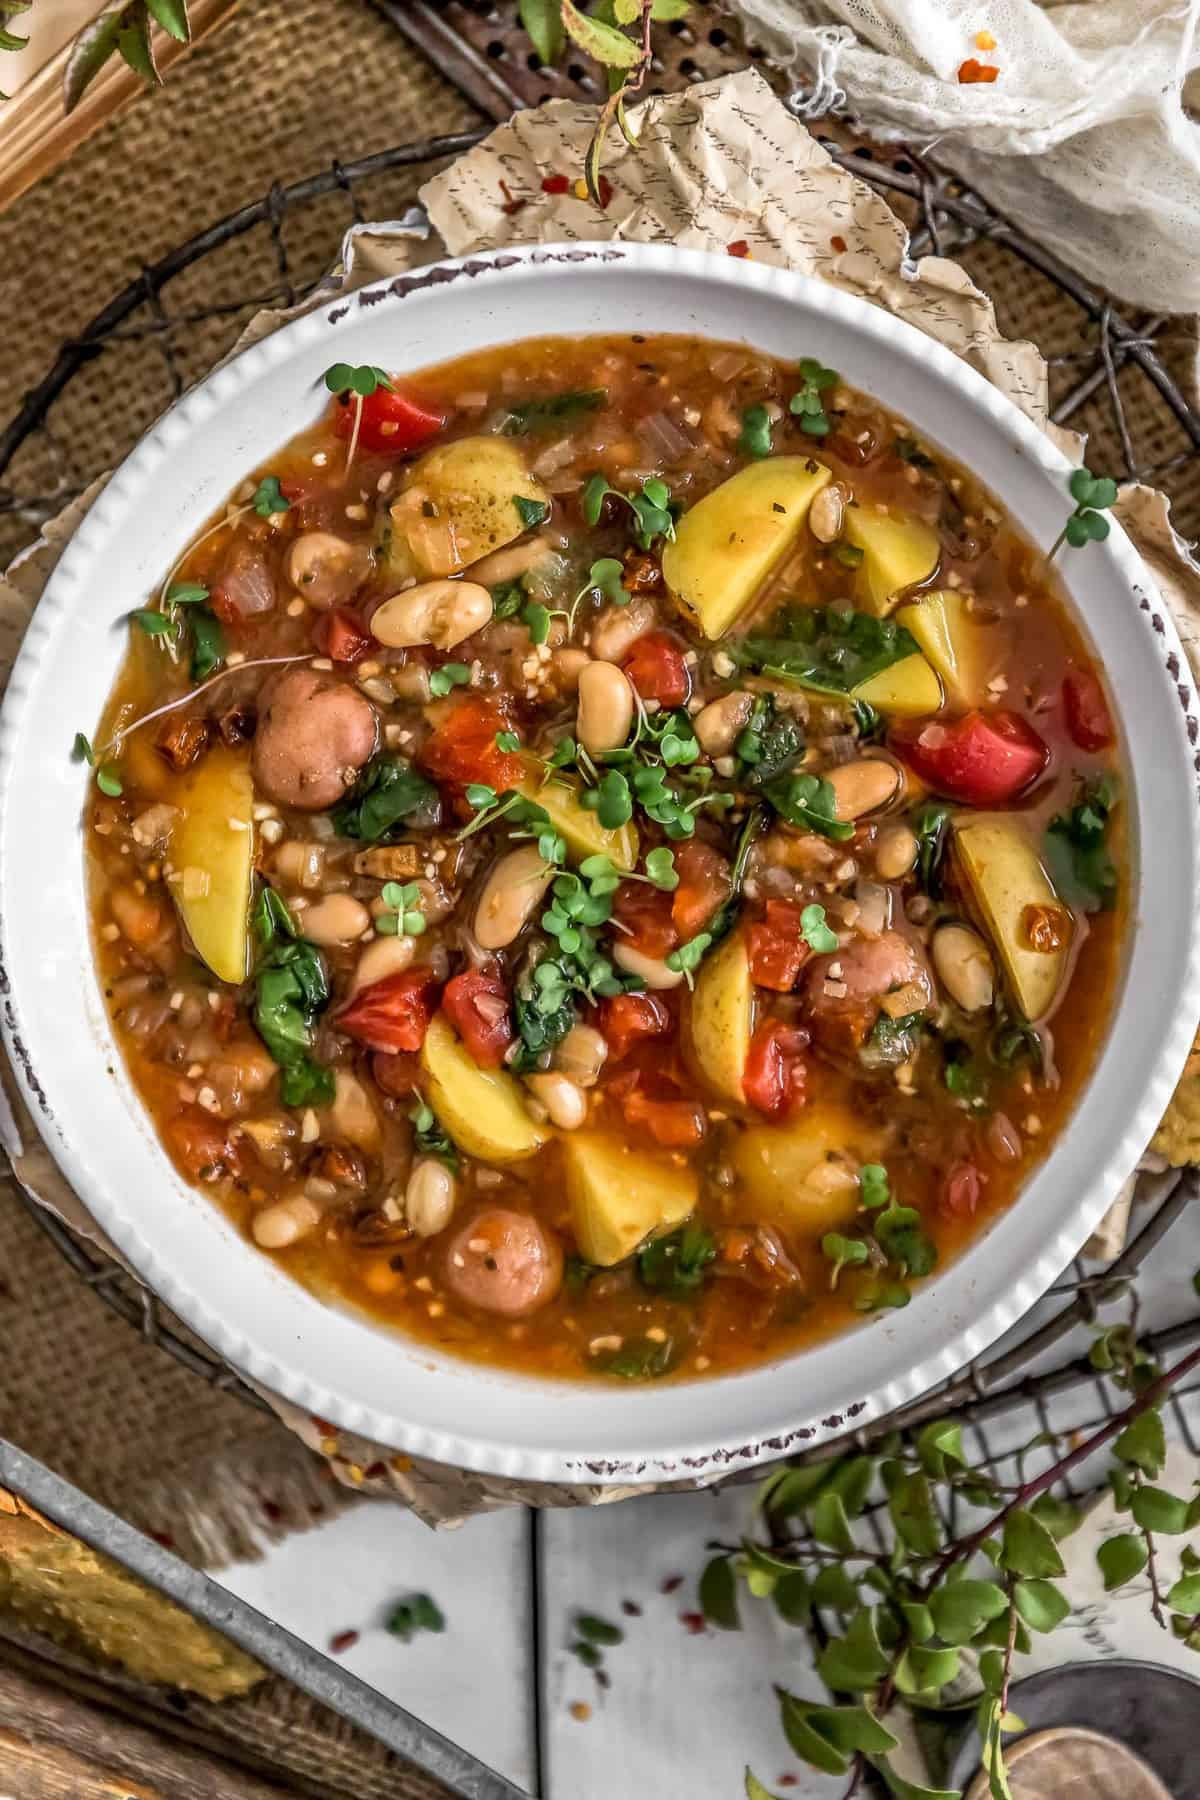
(328, 1359)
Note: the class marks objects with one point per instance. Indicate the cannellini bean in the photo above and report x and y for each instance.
(300, 864)
(326, 568)
(718, 724)
(441, 613)
(619, 627)
(565, 1102)
(581, 1054)
(382, 957)
(286, 1222)
(338, 919)
(429, 1197)
(511, 894)
(605, 713)
(566, 666)
(895, 852)
(826, 513)
(862, 786)
(964, 965)
(509, 563)
(654, 973)
(352, 1114)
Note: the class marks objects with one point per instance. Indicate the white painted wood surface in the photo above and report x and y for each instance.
(683, 1714)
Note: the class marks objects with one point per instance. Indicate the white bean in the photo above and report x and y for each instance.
(441, 613)
(353, 1116)
(619, 627)
(338, 919)
(895, 852)
(862, 787)
(581, 1054)
(382, 957)
(429, 1197)
(719, 724)
(509, 563)
(605, 713)
(286, 1222)
(511, 895)
(565, 1102)
(826, 513)
(654, 973)
(325, 568)
(964, 965)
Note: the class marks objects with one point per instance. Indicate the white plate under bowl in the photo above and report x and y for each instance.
(337, 1363)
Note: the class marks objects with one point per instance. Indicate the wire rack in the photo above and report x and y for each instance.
(1117, 376)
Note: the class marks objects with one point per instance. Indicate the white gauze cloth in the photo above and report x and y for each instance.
(1082, 139)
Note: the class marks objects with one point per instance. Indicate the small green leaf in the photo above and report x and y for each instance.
(793, 1598)
(542, 19)
(269, 498)
(962, 1608)
(939, 1442)
(815, 930)
(1121, 1559)
(851, 1728)
(855, 1662)
(186, 593)
(81, 750)
(1156, 1510)
(536, 619)
(154, 624)
(829, 1523)
(532, 512)
(172, 16)
(1028, 1547)
(208, 642)
(604, 42)
(108, 781)
(911, 1790)
(91, 49)
(922, 1670)
(808, 1744)
(755, 439)
(841, 1252)
(598, 1631)
(913, 1515)
(1060, 1517)
(450, 675)
(919, 1619)
(133, 42)
(1040, 1604)
(1143, 1443)
(718, 1594)
(834, 1587)
(605, 574)
(1184, 1597)
(851, 1480)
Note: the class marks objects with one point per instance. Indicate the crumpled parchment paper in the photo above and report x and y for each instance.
(722, 165)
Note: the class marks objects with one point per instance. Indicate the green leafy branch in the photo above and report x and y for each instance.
(124, 31)
(1093, 495)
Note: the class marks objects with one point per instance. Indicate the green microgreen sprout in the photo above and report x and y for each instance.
(269, 498)
(166, 623)
(651, 508)
(806, 404)
(755, 438)
(450, 675)
(359, 381)
(429, 1137)
(816, 932)
(1093, 495)
(687, 959)
(107, 778)
(420, 1613)
(508, 741)
(849, 555)
(842, 1251)
(874, 1189)
(403, 917)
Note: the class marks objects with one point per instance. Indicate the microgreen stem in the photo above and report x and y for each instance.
(230, 518)
(260, 662)
(358, 412)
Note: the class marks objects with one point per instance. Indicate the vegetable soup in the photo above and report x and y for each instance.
(607, 855)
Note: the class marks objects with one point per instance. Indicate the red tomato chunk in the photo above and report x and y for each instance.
(657, 670)
(392, 1014)
(775, 947)
(477, 1005)
(341, 635)
(391, 422)
(463, 748)
(776, 1075)
(984, 759)
(626, 1019)
(1085, 708)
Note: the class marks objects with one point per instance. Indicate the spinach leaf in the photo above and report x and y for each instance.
(290, 992)
(676, 1264)
(641, 1359)
(544, 1012)
(1015, 1040)
(1080, 865)
(553, 412)
(771, 744)
(931, 826)
(208, 642)
(892, 1041)
(388, 793)
(807, 801)
(830, 649)
(429, 1136)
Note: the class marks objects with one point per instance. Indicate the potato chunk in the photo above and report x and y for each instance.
(482, 1109)
(1004, 876)
(962, 650)
(730, 542)
(910, 688)
(458, 504)
(721, 1018)
(620, 1197)
(804, 1175)
(213, 853)
(584, 834)
(897, 554)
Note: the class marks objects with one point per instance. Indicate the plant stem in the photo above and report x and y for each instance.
(1029, 1490)
(1058, 543)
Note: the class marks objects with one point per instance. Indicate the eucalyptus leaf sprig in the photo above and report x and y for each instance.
(1093, 495)
(912, 1609)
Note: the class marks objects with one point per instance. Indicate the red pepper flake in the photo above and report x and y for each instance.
(670, 1585)
(510, 205)
(974, 70)
(344, 1640)
(837, 242)
(788, 1781)
(631, 1609)
(604, 189)
(555, 184)
(324, 1427)
(738, 248)
(693, 1623)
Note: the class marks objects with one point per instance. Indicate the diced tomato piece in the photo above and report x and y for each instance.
(391, 421)
(645, 913)
(463, 748)
(776, 1073)
(341, 635)
(477, 1005)
(982, 759)
(962, 1189)
(201, 1144)
(1086, 710)
(625, 1019)
(392, 1014)
(675, 1124)
(657, 670)
(704, 884)
(775, 947)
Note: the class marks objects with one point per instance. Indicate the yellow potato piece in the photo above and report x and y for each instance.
(458, 505)
(730, 542)
(482, 1109)
(721, 1018)
(897, 554)
(212, 849)
(909, 688)
(804, 1174)
(585, 835)
(963, 651)
(1004, 875)
(620, 1197)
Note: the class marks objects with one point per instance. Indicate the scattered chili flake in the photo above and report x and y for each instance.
(579, 1709)
(739, 247)
(344, 1640)
(974, 70)
(555, 184)
(788, 1781)
(837, 242)
(693, 1623)
(604, 190)
(631, 1609)
(670, 1584)
(510, 205)
(984, 40)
